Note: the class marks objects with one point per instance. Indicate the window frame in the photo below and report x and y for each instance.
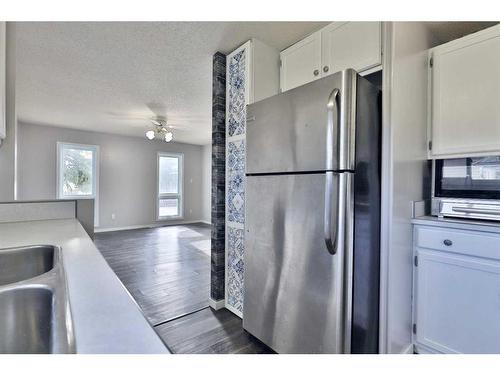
(179, 195)
(95, 174)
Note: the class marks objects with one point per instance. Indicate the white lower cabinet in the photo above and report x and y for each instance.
(456, 291)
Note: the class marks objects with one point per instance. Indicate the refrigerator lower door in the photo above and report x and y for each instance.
(295, 289)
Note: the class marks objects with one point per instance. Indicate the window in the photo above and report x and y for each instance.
(169, 199)
(78, 173)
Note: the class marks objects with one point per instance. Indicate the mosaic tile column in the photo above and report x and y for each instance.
(217, 271)
(235, 177)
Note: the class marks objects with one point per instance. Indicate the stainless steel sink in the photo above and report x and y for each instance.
(35, 314)
(25, 320)
(25, 262)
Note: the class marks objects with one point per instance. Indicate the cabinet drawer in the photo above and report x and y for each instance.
(480, 244)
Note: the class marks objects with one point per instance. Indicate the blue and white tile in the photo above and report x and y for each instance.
(236, 95)
(235, 183)
(235, 267)
(236, 155)
(236, 197)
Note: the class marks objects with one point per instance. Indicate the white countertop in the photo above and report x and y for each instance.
(457, 223)
(105, 317)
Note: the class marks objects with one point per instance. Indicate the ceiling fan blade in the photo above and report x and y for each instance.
(180, 127)
(158, 109)
(125, 116)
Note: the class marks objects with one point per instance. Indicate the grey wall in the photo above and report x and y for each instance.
(8, 145)
(207, 183)
(127, 178)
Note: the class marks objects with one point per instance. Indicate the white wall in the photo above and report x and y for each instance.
(127, 184)
(404, 158)
(8, 145)
(207, 183)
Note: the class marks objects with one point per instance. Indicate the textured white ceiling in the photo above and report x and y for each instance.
(113, 76)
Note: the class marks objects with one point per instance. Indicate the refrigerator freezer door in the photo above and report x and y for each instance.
(288, 132)
(295, 289)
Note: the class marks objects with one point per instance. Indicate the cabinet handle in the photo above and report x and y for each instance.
(448, 242)
(325, 68)
(316, 72)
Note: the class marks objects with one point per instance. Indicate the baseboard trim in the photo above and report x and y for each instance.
(205, 222)
(239, 314)
(143, 226)
(216, 305)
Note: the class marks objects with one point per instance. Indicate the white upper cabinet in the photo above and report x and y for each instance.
(355, 45)
(258, 69)
(464, 96)
(338, 46)
(301, 63)
(264, 71)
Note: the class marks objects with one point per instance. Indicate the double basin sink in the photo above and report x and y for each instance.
(35, 314)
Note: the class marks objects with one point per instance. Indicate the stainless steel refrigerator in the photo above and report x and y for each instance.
(313, 217)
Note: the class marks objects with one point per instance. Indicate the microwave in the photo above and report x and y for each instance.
(466, 187)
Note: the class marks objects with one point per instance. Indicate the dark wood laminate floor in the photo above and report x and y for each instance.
(209, 332)
(165, 269)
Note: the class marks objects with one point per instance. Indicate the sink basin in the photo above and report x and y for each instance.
(35, 314)
(25, 320)
(24, 263)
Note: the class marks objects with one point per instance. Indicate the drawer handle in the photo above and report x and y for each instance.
(448, 242)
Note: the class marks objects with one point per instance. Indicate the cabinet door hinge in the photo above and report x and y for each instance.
(430, 145)
(414, 329)
(431, 62)
(415, 261)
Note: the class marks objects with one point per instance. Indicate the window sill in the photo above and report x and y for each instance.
(169, 218)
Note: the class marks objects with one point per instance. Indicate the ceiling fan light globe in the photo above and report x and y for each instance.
(168, 136)
(150, 134)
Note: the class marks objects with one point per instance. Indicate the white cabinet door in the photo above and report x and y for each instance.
(354, 45)
(457, 303)
(465, 95)
(301, 63)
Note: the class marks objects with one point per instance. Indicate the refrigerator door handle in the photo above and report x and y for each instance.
(334, 237)
(330, 234)
(332, 110)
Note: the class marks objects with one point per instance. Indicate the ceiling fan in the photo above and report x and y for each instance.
(161, 130)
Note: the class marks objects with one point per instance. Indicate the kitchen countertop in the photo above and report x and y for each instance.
(105, 317)
(465, 224)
